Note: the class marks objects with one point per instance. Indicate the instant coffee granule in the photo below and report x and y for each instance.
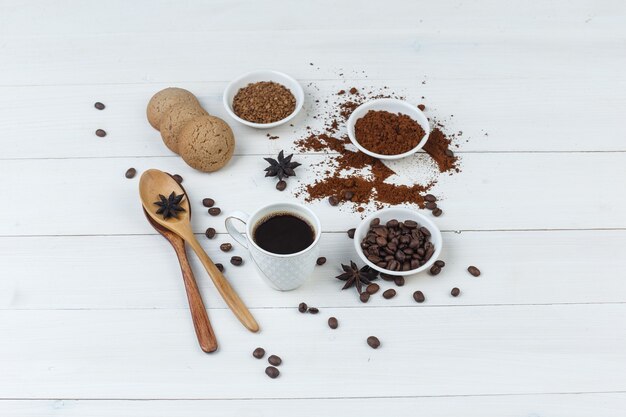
(264, 102)
(387, 133)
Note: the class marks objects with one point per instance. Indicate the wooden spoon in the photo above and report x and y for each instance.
(201, 323)
(154, 182)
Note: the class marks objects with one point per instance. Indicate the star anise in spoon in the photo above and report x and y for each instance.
(357, 277)
(169, 206)
(281, 167)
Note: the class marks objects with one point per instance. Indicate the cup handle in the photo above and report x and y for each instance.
(232, 231)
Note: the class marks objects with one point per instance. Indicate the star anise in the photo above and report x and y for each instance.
(281, 168)
(357, 277)
(170, 206)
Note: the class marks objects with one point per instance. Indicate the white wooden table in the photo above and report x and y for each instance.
(93, 316)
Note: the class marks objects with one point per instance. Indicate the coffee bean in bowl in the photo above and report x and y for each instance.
(398, 241)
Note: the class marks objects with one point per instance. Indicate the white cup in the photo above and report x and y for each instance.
(281, 272)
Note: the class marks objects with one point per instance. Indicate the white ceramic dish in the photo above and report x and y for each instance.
(391, 105)
(263, 75)
(400, 214)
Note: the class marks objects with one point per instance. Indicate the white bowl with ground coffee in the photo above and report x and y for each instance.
(263, 99)
(388, 128)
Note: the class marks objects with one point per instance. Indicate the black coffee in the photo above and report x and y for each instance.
(283, 233)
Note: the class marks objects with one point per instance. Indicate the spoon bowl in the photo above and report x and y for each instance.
(154, 183)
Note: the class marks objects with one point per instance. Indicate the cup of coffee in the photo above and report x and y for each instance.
(282, 239)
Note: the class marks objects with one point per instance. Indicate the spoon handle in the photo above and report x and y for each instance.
(223, 287)
(201, 323)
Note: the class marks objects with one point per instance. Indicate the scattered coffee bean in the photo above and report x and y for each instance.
(437, 212)
(474, 271)
(373, 342)
(321, 260)
(434, 270)
(226, 247)
(421, 107)
(236, 260)
(210, 233)
(364, 297)
(258, 353)
(440, 263)
(333, 201)
(274, 360)
(130, 173)
(302, 307)
(333, 323)
(419, 296)
(455, 292)
(390, 293)
(208, 202)
(178, 178)
(351, 233)
(399, 281)
(314, 310)
(430, 198)
(387, 277)
(101, 133)
(281, 185)
(372, 288)
(215, 211)
(449, 153)
(430, 205)
(99, 106)
(272, 372)
(220, 267)
(348, 195)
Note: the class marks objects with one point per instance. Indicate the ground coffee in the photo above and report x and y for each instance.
(387, 133)
(264, 102)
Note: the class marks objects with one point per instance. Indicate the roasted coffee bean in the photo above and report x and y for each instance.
(220, 267)
(321, 260)
(373, 342)
(210, 233)
(215, 211)
(333, 323)
(415, 264)
(274, 360)
(381, 241)
(474, 271)
(455, 292)
(440, 263)
(348, 195)
(178, 178)
(375, 222)
(374, 259)
(351, 233)
(226, 247)
(258, 353)
(399, 281)
(410, 224)
(449, 153)
(372, 288)
(101, 133)
(434, 270)
(302, 307)
(387, 277)
(364, 297)
(419, 296)
(314, 310)
(393, 223)
(130, 173)
(99, 105)
(281, 185)
(272, 372)
(430, 198)
(208, 202)
(425, 231)
(393, 265)
(332, 200)
(236, 260)
(430, 205)
(390, 293)
(437, 212)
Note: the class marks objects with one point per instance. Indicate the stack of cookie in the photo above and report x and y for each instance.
(205, 142)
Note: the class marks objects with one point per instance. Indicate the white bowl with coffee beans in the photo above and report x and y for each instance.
(398, 241)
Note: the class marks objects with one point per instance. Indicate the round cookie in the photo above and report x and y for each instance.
(206, 143)
(161, 102)
(174, 120)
